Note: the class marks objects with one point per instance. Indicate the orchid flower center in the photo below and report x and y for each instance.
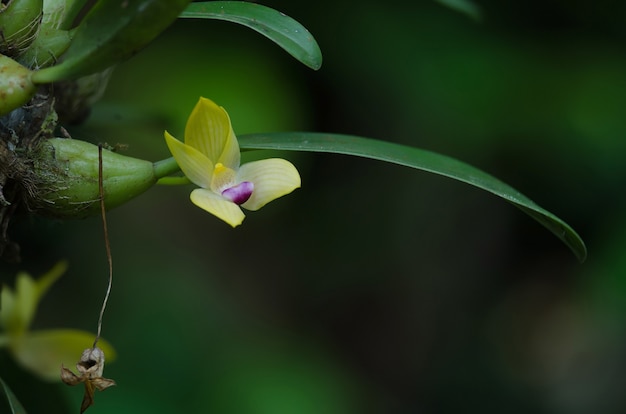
(224, 183)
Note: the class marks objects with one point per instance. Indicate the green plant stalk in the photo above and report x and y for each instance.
(19, 24)
(166, 167)
(51, 41)
(68, 187)
(47, 47)
(112, 32)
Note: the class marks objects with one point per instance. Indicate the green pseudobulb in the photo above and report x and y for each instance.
(69, 173)
(16, 86)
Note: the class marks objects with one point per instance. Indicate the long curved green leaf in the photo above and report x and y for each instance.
(421, 160)
(111, 32)
(281, 29)
(8, 399)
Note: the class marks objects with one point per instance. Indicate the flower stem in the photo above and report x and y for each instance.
(182, 180)
(165, 167)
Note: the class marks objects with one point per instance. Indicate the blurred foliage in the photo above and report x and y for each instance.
(373, 289)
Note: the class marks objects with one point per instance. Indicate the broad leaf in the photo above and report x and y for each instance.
(281, 29)
(419, 159)
(9, 401)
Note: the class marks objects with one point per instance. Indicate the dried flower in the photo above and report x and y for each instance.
(90, 369)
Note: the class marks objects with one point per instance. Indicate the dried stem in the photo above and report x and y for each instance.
(106, 244)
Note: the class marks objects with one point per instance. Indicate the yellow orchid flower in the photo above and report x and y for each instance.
(41, 352)
(210, 158)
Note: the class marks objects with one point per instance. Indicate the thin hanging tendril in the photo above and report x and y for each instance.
(106, 244)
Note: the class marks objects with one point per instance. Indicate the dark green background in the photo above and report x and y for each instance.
(373, 288)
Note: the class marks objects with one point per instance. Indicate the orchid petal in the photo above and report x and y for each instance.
(43, 352)
(218, 206)
(239, 193)
(231, 156)
(272, 178)
(195, 165)
(209, 131)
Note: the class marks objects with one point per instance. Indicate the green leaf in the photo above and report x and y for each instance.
(421, 160)
(6, 395)
(112, 31)
(281, 29)
(69, 12)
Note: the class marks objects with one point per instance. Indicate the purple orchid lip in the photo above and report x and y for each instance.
(239, 193)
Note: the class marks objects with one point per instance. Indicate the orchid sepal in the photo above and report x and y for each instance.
(192, 162)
